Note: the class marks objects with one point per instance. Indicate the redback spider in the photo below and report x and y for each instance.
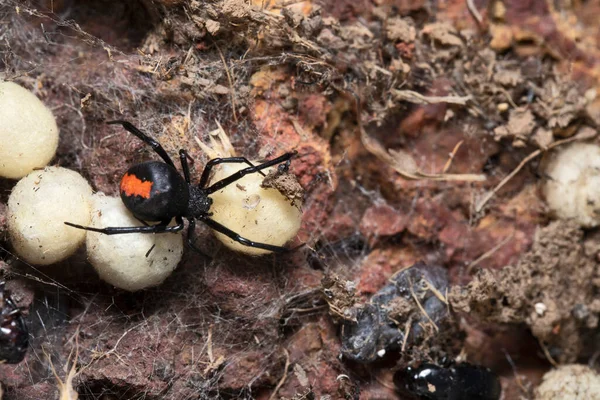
(156, 191)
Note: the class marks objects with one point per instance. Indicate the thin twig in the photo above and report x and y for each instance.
(488, 253)
(435, 291)
(504, 181)
(284, 377)
(230, 79)
(414, 296)
(474, 12)
(407, 327)
(509, 98)
(547, 354)
(417, 98)
(188, 55)
(452, 155)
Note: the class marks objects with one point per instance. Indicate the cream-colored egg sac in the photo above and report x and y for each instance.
(38, 207)
(28, 132)
(570, 382)
(572, 186)
(131, 261)
(258, 214)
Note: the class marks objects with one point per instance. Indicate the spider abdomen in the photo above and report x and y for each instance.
(154, 191)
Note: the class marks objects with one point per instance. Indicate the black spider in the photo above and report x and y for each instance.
(14, 336)
(156, 191)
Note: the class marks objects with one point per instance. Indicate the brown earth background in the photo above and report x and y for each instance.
(407, 116)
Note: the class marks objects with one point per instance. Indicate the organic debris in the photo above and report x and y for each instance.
(553, 289)
(410, 310)
(286, 183)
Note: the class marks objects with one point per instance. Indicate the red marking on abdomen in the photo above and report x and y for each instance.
(131, 185)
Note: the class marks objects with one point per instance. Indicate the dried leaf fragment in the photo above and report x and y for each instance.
(400, 30)
(443, 33)
(403, 163)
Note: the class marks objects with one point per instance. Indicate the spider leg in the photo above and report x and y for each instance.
(190, 238)
(235, 236)
(159, 228)
(243, 172)
(211, 163)
(158, 149)
(183, 157)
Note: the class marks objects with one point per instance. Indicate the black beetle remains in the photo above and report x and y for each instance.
(14, 336)
(455, 382)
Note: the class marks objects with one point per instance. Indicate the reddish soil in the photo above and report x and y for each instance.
(405, 114)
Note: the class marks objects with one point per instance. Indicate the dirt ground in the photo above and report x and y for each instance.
(421, 129)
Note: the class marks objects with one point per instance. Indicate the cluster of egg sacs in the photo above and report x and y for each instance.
(47, 197)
